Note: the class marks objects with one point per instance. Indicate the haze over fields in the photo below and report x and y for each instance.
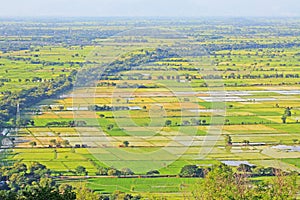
(149, 99)
(163, 8)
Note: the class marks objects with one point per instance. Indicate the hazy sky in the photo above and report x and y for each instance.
(194, 8)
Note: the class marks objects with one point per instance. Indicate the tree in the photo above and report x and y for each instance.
(288, 112)
(244, 168)
(31, 122)
(36, 166)
(168, 122)
(39, 170)
(110, 127)
(81, 170)
(268, 171)
(46, 182)
(53, 141)
(66, 143)
(55, 153)
(295, 141)
(283, 118)
(83, 193)
(283, 187)
(246, 142)
(19, 167)
(228, 140)
(192, 171)
(127, 171)
(218, 184)
(102, 171)
(113, 172)
(153, 172)
(126, 143)
(66, 191)
(32, 143)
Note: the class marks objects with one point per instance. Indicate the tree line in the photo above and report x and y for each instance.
(28, 97)
(34, 182)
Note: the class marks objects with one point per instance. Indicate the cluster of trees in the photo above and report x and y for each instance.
(252, 171)
(54, 142)
(251, 76)
(136, 86)
(192, 171)
(222, 182)
(203, 122)
(111, 171)
(67, 123)
(119, 195)
(219, 182)
(107, 108)
(192, 122)
(88, 76)
(249, 45)
(107, 84)
(20, 182)
(80, 37)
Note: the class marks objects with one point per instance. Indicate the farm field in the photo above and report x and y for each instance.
(140, 101)
(171, 187)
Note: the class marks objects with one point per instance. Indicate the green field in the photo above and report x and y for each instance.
(141, 185)
(152, 102)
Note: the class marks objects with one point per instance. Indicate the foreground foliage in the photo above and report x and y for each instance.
(19, 182)
(223, 183)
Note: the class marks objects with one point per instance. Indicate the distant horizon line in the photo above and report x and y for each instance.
(162, 17)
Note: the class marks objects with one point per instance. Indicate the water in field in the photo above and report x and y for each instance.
(205, 111)
(236, 163)
(287, 148)
(288, 92)
(134, 108)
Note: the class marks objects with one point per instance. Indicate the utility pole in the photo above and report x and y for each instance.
(18, 117)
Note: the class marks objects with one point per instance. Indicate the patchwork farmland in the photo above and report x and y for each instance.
(144, 101)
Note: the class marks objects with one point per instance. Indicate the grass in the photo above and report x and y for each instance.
(64, 161)
(140, 185)
(293, 161)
